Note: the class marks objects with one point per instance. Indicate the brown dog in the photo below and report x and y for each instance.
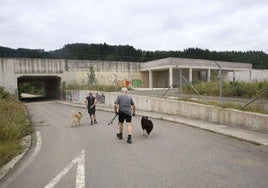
(76, 117)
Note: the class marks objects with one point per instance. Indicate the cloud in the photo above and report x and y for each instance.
(144, 24)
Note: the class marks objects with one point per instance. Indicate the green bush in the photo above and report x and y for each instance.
(3, 93)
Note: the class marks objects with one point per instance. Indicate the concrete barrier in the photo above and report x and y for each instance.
(165, 107)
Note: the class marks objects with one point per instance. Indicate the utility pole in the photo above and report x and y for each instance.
(220, 75)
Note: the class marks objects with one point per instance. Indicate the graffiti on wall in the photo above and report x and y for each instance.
(78, 96)
(100, 98)
(126, 83)
(75, 96)
(123, 83)
(136, 83)
(69, 95)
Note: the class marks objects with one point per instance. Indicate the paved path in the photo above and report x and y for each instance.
(259, 138)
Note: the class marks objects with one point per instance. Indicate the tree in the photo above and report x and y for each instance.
(83, 51)
(91, 75)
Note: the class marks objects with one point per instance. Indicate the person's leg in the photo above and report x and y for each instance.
(91, 116)
(94, 116)
(120, 127)
(129, 129)
(120, 134)
(121, 121)
(91, 120)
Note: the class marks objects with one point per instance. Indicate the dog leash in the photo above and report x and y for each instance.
(84, 113)
(112, 120)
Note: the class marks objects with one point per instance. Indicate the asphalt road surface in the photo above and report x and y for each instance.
(91, 156)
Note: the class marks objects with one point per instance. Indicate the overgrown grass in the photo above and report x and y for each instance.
(95, 87)
(234, 89)
(13, 127)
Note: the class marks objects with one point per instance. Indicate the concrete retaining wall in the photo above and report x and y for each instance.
(147, 105)
(256, 75)
(70, 71)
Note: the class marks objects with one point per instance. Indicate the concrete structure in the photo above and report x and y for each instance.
(154, 74)
(164, 72)
(256, 75)
(52, 72)
(177, 109)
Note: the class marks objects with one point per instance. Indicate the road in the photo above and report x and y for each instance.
(92, 156)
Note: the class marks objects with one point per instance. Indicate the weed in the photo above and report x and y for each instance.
(13, 127)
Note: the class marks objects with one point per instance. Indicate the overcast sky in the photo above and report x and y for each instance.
(219, 25)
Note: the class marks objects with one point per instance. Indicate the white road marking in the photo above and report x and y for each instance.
(80, 173)
(38, 144)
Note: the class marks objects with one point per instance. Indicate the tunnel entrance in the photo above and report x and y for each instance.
(39, 87)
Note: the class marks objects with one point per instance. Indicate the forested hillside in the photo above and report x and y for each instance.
(82, 51)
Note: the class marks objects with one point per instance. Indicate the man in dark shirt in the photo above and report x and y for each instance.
(91, 106)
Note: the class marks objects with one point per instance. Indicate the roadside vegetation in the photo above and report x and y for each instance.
(14, 125)
(233, 90)
(95, 87)
(229, 89)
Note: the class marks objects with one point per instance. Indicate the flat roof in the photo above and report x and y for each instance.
(173, 62)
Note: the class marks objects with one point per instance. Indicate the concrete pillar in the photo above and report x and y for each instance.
(234, 75)
(150, 79)
(170, 76)
(208, 75)
(190, 74)
(250, 76)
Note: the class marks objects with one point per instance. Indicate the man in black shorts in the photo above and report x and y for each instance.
(91, 106)
(125, 107)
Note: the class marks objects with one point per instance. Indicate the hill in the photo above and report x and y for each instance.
(82, 51)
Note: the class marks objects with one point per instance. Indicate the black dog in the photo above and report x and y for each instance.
(146, 125)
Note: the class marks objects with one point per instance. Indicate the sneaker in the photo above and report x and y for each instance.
(119, 136)
(95, 122)
(91, 123)
(129, 140)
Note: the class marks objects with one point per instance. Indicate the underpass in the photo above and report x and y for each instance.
(51, 85)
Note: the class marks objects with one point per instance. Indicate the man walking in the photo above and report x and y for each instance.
(91, 106)
(125, 107)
